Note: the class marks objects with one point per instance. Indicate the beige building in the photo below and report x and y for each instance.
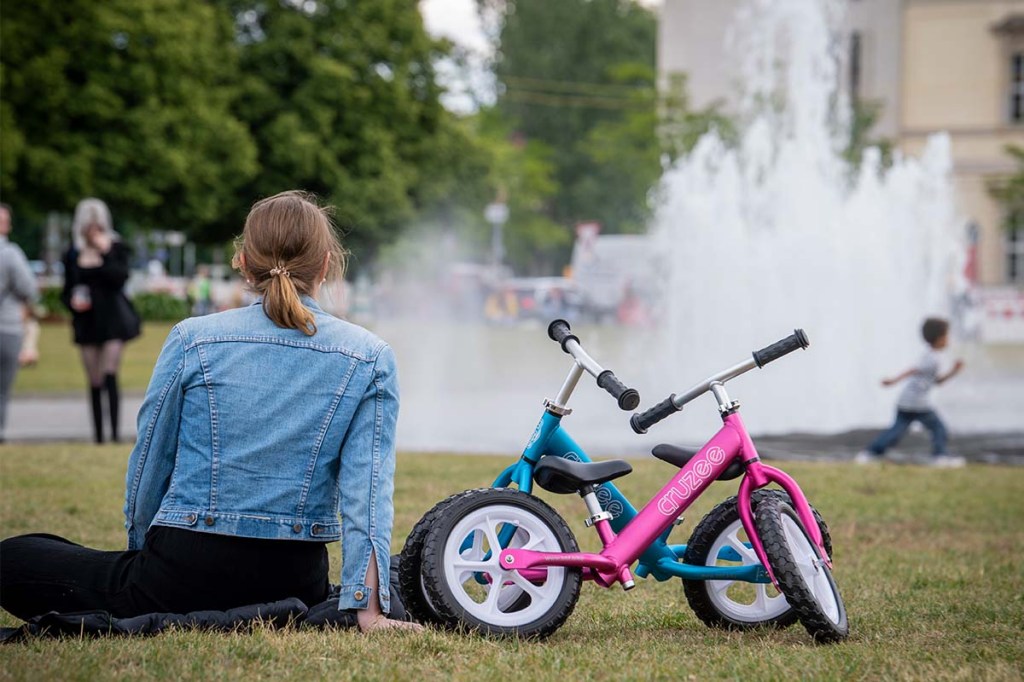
(935, 65)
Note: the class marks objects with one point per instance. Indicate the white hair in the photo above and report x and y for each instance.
(91, 211)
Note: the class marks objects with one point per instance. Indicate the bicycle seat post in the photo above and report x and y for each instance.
(599, 519)
(597, 514)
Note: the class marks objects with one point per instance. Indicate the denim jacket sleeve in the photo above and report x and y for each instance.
(152, 460)
(367, 484)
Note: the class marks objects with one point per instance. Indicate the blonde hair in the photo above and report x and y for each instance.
(89, 212)
(284, 243)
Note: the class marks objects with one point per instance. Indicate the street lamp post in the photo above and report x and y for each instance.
(496, 214)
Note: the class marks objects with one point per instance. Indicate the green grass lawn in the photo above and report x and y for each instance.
(60, 368)
(930, 563)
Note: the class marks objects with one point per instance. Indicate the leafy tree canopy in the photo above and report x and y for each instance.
(567, 68)
(128, 100)
(342, 100)
(1009, 190)
(181, 113)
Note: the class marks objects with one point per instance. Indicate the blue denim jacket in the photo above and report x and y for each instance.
(252, 430)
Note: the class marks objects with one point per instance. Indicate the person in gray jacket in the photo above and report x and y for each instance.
(17, 289)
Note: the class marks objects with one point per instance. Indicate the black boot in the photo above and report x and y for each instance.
(96, 393)
(114, 396)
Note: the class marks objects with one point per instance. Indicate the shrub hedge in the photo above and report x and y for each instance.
(151, 306)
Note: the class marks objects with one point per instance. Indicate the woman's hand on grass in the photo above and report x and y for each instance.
(376, 622)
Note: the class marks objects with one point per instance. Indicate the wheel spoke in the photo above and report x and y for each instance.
(824, 595)
(469, 561)
(473, 566)
(477, 547)
(800, 549)
(533, 542)
(491, 528)
(821, 588)
(761, 596)
(741, 548)
(493, 592)
(720, 586)
(740, 600)
(469, 576)
(534, 591)
(805, 562)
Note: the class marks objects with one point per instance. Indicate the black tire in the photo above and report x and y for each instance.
(410, 568)
(805, 580)
(410, 573)
(722, 609)
(453, 595)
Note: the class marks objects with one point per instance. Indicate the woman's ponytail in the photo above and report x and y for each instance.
(287, 248)
(282, 303)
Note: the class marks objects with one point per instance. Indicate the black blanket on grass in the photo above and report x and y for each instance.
(284, 613)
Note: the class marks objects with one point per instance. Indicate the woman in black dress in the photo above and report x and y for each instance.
(96, 268)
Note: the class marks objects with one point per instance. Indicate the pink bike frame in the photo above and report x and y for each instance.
(620, 551)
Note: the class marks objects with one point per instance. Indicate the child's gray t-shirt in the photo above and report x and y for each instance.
(914, 397)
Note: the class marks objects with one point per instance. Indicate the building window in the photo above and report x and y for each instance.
(856, 49)
(1017, 87)
(1015, 251)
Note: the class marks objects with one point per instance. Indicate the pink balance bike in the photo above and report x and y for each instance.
(503, 562)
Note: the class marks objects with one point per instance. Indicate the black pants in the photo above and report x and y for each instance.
(176, 571)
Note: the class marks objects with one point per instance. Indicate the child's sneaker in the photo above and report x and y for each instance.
(865, 457)
(948, 461)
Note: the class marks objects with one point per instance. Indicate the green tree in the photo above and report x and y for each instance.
(497, 166)
(128, 100)
(342, 100)
(522, 174)
(1009, 190)
(567, 68)
(864, 116)
(627, 154)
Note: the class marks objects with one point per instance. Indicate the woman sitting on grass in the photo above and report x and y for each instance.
(258, 426)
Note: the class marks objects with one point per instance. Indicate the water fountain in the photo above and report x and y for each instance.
(777, 231)
(772, 232)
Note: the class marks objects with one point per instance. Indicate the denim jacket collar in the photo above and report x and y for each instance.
(306, 299)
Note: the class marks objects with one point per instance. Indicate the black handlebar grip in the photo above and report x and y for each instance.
(645, 420)
(629, 398)
(775, 351)
(558, 331)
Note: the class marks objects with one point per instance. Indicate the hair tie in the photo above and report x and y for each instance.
(279, 271)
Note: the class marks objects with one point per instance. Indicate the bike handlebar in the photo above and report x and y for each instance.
(648, 418)
(558, 331)
(797, 340)
(672, 404)
(627, 398)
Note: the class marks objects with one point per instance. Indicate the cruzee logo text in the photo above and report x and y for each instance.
(683, 488)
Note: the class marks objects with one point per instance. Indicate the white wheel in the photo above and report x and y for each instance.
(805, 555)
(802, 573)
(720, 540)
(480, 585)
(463, 576)
(738, 600)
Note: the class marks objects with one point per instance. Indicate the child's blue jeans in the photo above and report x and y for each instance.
(904, 419)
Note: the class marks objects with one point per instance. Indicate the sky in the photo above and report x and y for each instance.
(456, 20)
(459, 21)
